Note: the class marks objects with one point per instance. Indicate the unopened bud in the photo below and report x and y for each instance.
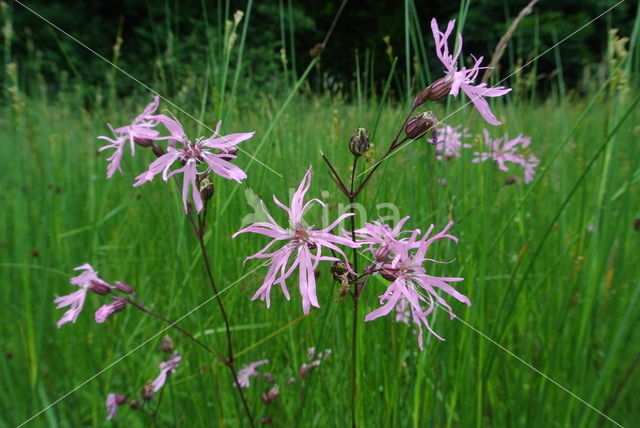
(135, 404)
(100, 287)
(271, 394)
(636, 224)
(269, 377)
(157, 150)
(381, 253)
(124, 287)
(418, 125)
(144, 142)
(359, 143)
(434, 92)
(389, 273)
(512, 179)
(167, 344)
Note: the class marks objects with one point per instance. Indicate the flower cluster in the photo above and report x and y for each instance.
(401, 261)
(503, 150)
(149, 390)
(197, 158)
(87, 281)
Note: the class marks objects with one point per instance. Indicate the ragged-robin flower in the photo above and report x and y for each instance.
(463, 78)
(304, 243)
(210, 154)
(166, 368)
(87, 280)
(412, 282)
(112, 402)
(503, 150)
(140, 131)
(449, 142)
(247, 372)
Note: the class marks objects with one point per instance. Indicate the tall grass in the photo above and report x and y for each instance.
(551, 267)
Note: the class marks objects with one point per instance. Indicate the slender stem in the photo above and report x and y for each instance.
(177, 327)
(230, 356)
(354, 299)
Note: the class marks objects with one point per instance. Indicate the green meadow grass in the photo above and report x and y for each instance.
(550, 267)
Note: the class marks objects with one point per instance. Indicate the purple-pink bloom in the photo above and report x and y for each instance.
(105, 311)
(411, 282)
(502, 150)
(141, 128)
(304, 243)
(87, 280)
(463, 78)
(248, 371)
(213, 152)
(112, 403)
(381, 239)
(271, 394)
(449, 142)
(166, 368)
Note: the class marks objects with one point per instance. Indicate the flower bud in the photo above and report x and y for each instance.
(157, 150)
(434, 92)
(206, 188)
(418, 125)
(124, 287)
(269, 377)
(389, 273)
(511, 180)
(100, 287)
(271, 394)
(167, 344)
(381, 253)
(359, 143)
(636, 224)
(144, 142)
(106, 311)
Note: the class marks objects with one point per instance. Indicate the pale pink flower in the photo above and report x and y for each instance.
(166, 368)
(141, 128)
(212, 153)
(105, 311)
(381, 239)
(304, 243)
(403, 312)
(112, 403)
(503, 150)
(412, 282)
(449, 142)
(87, 280)
(463, 78)
(248, 371)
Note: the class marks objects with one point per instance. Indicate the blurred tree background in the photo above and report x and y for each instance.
(172, 40)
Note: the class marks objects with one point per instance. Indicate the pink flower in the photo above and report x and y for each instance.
(249, 371)
(381, 239)
(141, 128)
(305, 242)
(213, 152)
(462, 79)
(112, 403)
(449, 142)
(503, 150)
(87, 280)
(166, 368)
(271, 394)
(412, 283)
(107, 310)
